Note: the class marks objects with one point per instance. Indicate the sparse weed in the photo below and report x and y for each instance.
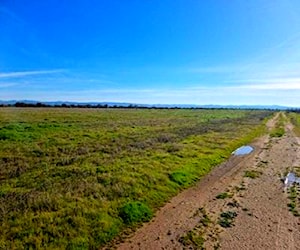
(224, 195)
(278, 130)
(294, 201)
(226, 219)
(252, 174)
(192, 239)
(233, 203)
(196, 237)
(205, 219)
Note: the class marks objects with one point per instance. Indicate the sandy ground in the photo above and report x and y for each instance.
(263, 220)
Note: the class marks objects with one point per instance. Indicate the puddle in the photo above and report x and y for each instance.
(244, 150)
(291, 178)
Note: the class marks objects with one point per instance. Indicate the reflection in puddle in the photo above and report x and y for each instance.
(244, 150)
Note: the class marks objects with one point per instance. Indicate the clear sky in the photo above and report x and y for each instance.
(151, 51)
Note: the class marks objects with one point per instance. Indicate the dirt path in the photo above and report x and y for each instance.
(263, 220)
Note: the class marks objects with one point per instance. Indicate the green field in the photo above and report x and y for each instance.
(76, 178)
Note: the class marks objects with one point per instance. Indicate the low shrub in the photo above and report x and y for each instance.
(224, 195)
(193, 240)
(135, 211)
(278, 132)
(181, 178)
(226, 219)
(252, 174)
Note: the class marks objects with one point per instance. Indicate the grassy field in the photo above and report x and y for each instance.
(76, 178)
(295, 119)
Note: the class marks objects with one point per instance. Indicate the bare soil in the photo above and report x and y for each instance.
(263, 220)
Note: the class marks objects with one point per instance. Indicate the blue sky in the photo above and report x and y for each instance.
(158, 51)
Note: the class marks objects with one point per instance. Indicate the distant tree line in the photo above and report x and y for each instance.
(63, 105)
(66, 105)
(115, 106)
(295, 110)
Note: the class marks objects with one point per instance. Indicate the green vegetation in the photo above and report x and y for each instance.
(133, 212)
(278, 130)
(294, 203)
(253, 174)
(294, 196)
(205, 220)
(233, 203)
(182, 178)
(295, 119)
(195, 238)
(224, 195)
(226, 219)
(76, 178)
(241, 187)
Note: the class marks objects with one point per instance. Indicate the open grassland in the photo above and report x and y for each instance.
(76, 178)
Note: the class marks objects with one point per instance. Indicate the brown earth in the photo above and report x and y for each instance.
(263, 220)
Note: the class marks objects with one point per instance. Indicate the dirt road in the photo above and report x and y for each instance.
(262, 217)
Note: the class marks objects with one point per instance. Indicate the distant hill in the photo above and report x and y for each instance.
(124, 104)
